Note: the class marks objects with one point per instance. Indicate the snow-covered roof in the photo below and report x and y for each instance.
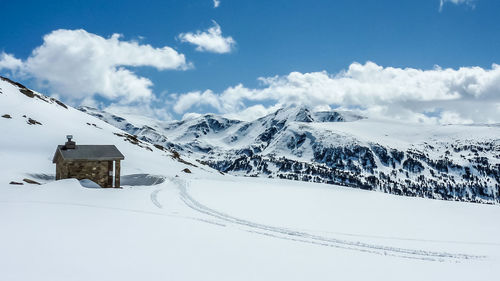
(89, 152)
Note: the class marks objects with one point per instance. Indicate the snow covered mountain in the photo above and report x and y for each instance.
(33, 124)
(450, 162)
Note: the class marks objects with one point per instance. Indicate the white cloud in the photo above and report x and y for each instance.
(193, 99)
(470, 3)
(216, 3)
(450, 117)
(8, 61)
(467, 94)
(139, 113)
(77, 65)
(210, 40)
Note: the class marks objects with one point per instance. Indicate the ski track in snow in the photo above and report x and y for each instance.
(154, 198)
(81, 205)
(88, 206)
(305, 237)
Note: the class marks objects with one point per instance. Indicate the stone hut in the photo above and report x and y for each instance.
(93, 162)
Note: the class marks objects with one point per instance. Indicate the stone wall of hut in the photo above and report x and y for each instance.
(97, 171)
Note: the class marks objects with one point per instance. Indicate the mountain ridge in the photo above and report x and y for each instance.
(450, 162)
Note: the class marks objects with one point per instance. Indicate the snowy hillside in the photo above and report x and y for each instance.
(451, 162)
(33, 125)
(165, 224)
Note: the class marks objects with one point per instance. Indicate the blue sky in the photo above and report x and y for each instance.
(272, 38)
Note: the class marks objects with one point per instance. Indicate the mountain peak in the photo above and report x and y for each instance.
(307, 115)
(293, 113)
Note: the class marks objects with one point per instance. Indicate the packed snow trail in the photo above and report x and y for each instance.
(305, 237)
(154, 198)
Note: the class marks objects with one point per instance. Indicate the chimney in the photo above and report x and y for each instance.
(70, 144)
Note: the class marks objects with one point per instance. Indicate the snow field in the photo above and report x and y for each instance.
(62, 231)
